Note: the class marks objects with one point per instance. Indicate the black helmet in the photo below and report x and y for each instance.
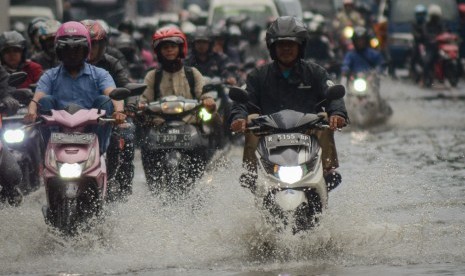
(251, 27)
(202, 33)
(13, 39)
(286, 28)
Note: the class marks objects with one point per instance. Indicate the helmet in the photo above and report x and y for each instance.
(251, 27)
(172, 34)
(201, 33)
(96, 30)
(48, 29)
(72, 34)
(126, 26)
(286, 28)
(13, 39)
(420, 12)
(33, 27)
(434, 10)
(127, 45)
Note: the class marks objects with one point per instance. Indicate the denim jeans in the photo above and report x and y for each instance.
(103, 131)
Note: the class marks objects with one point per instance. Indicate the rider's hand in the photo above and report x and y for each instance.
(336, 122)
(119, 117)
(30, 118)
(209, 104)
(238, 125)
(231, 81)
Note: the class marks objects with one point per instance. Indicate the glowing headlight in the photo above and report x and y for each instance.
(348, 32)
(374, 42)
(360, 85)
(205, 115)
(290, 174)
(172, 107)
(70, 170)
(12, 136)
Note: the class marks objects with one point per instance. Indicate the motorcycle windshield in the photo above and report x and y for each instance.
(293, 152)
(286, 119)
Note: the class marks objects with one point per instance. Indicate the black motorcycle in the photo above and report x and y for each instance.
(177, 143)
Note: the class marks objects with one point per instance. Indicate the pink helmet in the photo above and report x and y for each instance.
(72, 34)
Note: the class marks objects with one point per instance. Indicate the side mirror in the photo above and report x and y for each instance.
(239, 95)
(23, 95)
(136, 88)
(335, 92)
(15, 79)
(212, 85)
(119, 94)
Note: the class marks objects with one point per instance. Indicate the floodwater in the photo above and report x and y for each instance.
(399, 211)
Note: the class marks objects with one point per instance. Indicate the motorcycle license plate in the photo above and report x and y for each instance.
(172, 140)
(287, 139)
(71, 138)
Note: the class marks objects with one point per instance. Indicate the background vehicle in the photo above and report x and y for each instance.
(400, 15)
(289, 7)
(261, 11)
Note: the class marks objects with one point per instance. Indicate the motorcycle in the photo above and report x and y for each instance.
(364, 103)
(290, 184)
(447, 65)
(25, 143)
(179, 141)
(75, 174)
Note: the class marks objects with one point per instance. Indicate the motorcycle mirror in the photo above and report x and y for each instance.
(23, 95)
(16, 78)
(136, 88)
(212, 85)
(239, 95)
(120, 93)
(335, 92)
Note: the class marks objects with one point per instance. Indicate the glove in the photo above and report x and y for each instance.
(11, 105)
(238, 125)
(209, 104)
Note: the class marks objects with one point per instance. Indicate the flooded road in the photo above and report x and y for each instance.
(399, 211)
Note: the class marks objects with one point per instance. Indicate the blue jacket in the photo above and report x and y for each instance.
(361, 61)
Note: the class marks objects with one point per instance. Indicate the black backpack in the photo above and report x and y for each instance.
(190, 79)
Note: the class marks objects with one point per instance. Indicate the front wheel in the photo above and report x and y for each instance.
(452, 73)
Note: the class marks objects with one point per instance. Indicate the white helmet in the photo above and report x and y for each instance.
(434, 10)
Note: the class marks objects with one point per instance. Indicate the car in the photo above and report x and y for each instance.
(261, 11)
(21, 16)
(400, 15)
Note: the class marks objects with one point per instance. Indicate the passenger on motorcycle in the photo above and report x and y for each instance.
(47, 56)
(363, 58)
(209, 63)
(289, 82)
(13, 52)
(76, 82)
(431, 29)
(98, 57)
(10, 172)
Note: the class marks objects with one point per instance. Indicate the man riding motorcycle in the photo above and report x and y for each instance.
(76, 82)
(289, 82)
(47, 55)
(98, 57)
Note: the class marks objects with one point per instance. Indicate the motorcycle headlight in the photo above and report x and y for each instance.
(205, 115)
(70, 170)
(360, 85)
(374, 42)
(172, 107)
(12, 136)
(348, 32)
(290, 174)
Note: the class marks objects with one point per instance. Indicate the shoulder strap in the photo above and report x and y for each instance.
(156, 84)
(190, 79)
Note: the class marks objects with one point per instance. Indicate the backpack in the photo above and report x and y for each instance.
(190, 79)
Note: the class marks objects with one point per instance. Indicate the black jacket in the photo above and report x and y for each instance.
(301, 91)
(118, 72)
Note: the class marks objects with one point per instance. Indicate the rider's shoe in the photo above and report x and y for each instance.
(14, 197)
(332, 178)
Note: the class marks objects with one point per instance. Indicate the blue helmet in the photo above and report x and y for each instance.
(420, 13)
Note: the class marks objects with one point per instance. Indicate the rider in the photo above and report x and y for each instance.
(253, 47)
(202, 57)
(432, 28)
(289, 82)
(13, 52)
(418, 36)
(120, 75)
(362, 58)
(76, 82)
(348, 16)
(10, 172)
(173, 78)
(47, 56)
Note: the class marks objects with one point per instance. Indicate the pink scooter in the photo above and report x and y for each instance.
(75, 174)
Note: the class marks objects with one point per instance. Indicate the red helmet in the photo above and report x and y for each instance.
(172, 34)
(96, 31)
